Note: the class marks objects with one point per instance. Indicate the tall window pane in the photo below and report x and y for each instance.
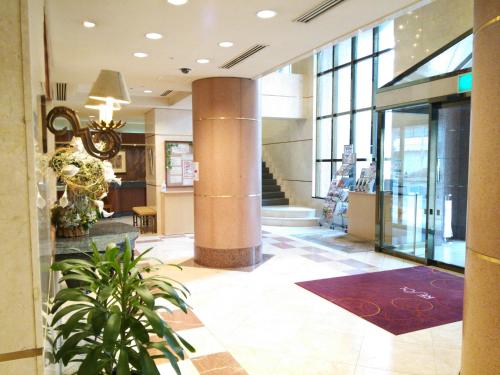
(386, 35)
(325, 95)
(385, 68)
(341, 135)
(364, 44)
(364, 84)
(324, 139)
(323, 178)
(343, 52)
(342, 89)
(363, 134)
(325, 59)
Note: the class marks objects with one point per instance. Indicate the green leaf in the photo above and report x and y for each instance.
(148, 366)
(139, 331)
(134, 359)
(186, 344)
(146, 295)
(98, 321)
(66, 352)
(88, 366)
(173, 343)
(154, 319)
(122, 367)
(172, 358)
(74, 276)
(72, 294)
(66, 310)
(112, 330)
(69, 326)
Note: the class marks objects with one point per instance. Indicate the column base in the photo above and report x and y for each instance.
(228, 258)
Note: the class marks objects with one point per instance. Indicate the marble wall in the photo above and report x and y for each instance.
(20, 291)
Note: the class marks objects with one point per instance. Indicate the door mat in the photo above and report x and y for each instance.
(399, 301)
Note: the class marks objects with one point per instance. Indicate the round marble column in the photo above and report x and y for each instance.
(227, 197)
(481, 349)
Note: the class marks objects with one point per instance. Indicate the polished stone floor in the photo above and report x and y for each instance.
(257, 321)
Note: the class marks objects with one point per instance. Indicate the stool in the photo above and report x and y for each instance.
(144, 218)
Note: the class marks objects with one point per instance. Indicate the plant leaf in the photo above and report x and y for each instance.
(148, 366)
(122, 367)
(112, 329)
(66, 310)
(172, 358)
(88, 366)
(139, 331)
(154, 319)
(146, 295)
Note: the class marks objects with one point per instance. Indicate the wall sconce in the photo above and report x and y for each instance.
(99, 138)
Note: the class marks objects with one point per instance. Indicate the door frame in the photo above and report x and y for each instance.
(434, 105)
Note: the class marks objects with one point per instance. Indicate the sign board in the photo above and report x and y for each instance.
(465, 82)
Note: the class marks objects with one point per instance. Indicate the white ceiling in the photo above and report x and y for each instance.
(190, 32)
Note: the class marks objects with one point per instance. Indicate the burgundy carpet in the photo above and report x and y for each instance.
(399, 301)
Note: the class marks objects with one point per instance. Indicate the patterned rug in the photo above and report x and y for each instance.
(399, 301)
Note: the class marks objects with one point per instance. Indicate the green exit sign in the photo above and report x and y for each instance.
(465, 82)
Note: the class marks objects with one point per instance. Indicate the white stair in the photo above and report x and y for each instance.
(289, 216)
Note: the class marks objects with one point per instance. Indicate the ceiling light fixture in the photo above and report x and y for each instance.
(203, 61)
(153, 36)
(266, 13)
(226, 44)
(89, 24)
(140, 54)
(177, 2)
(148, 91)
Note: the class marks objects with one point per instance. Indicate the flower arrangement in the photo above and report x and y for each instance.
(86, 181)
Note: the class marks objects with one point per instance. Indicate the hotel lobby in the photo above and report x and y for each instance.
(265, 187)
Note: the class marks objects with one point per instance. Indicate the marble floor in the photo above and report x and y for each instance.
(257, 321)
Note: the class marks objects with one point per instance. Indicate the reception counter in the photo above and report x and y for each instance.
(176, 212)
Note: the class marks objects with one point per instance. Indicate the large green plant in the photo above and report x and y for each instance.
(109, 321)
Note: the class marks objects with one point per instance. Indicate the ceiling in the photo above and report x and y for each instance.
(190, 32)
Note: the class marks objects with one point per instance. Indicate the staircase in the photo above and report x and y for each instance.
(271, 191)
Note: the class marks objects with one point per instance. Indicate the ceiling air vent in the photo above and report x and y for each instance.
(61, 91)
(245, 55)
(166, 92)
(317, 11)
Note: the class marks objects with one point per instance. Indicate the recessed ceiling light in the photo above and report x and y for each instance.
(91, 116)
(88, 24)
(140, 54)
(148, 91)
(154, 36)
(177, 2)
(226, 44)
(266, 13)
(203, 61)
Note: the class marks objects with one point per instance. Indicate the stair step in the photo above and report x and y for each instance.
(267, 176)
(275, 202)
(290, 221)
(289, 212)
(269, 181)
(272, 194)
(267, 188)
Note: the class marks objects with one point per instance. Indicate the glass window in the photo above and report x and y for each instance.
(364, 84)
(385, 68)
(342, 89)
(386, 35)
(364, 43)
(363, 134)
(343, 52)
(341, 135)
(325, 59)
(324, 95)
(323, 178)
(324, 139)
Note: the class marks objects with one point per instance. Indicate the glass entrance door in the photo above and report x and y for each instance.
(450, 158)
(404, 180)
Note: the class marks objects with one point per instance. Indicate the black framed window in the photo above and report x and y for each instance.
(348, 75)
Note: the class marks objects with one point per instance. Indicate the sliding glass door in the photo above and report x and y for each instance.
(404, 180)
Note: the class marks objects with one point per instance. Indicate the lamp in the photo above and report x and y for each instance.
(103, 109)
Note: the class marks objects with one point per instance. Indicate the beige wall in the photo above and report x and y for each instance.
(163, 125)
(287, 139)
(20, 310)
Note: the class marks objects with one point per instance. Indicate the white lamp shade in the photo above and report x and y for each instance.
(110, 84)
(98, 104)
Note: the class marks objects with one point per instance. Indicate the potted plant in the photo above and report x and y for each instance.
(109, 322)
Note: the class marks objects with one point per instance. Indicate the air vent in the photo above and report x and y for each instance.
(317, 11)
(166, 92)
(61, 91)
(245, 55)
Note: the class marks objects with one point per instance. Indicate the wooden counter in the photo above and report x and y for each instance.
(361, 214)
(175, 214)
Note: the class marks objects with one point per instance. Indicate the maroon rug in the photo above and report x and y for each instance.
(399, 301)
